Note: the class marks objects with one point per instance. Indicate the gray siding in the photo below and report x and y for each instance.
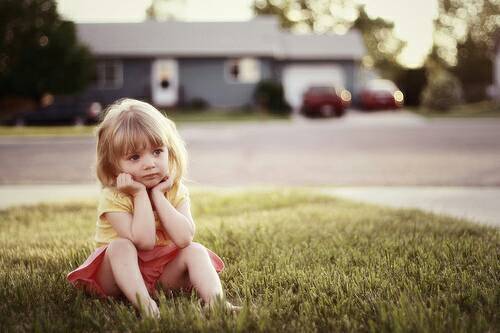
(202, 78)
(206, 79)
(136, 83)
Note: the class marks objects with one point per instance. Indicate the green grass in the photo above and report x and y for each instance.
(486, 109)
(179, 117)
(216, 115)
(46, 130)
(296, 261)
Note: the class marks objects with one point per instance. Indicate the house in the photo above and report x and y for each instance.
(494, 89)
(174, 63)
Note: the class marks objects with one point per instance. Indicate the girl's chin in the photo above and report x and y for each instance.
(150, 184)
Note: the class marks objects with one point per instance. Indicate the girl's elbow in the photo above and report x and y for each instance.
(145, 245)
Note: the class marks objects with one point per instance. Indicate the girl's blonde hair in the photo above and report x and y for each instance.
(127, 126)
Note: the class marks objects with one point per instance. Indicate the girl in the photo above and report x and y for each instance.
(144, 227)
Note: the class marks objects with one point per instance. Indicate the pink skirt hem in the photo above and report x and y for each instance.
(151, 264)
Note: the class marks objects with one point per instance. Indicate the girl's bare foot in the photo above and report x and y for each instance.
(224, 305)
(151, 310)
(232, 308)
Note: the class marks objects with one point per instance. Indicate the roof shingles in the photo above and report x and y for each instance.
(258, 37)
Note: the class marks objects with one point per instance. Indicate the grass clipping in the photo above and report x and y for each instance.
(296, 261)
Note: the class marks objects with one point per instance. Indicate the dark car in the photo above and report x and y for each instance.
(325, 101)
(381, 94)
(58, 114)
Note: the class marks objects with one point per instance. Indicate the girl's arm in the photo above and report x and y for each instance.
(140, 227)
(177, 223)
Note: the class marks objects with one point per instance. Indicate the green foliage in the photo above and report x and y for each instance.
(382, 45)
(269, 95)
(39, 53)
(198, 103)
(164, 10)
(443, 90)
(465, 36)
(474, 69)
(484, 109)
(296, 261)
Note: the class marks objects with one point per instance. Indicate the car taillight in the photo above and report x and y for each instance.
(94, 109)
(345, 95)
(398, 96)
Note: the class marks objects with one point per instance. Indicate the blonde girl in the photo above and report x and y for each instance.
(144, 230)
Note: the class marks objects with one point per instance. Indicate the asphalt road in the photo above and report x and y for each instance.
(376, 149)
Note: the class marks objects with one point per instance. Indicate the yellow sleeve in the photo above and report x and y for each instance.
(177, 196)
(112, 200)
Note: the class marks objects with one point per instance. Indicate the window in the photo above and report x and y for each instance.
(244, 70)
(109, 74)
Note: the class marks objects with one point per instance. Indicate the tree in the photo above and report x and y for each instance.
(443, 90)
(465, 34)
(382, 45)
(164, 10)
(39, 52)
(339, 16)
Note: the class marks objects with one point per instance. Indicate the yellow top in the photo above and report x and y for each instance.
(112, 200)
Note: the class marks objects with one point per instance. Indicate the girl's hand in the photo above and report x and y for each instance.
(126, 184)
(163, 186)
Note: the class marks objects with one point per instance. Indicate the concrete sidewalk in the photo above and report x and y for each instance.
(478, 204)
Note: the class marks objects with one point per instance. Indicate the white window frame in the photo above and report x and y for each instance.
(101, 82)
(242, 80)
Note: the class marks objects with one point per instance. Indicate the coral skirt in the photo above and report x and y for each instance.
(151, 264)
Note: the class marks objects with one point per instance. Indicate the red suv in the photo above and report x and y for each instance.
(381, 94)
(326, 101)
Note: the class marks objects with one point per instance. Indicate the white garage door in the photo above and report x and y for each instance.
(296, 79)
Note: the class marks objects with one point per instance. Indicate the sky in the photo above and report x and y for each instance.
(412, 19)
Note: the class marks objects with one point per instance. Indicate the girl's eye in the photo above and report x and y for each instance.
(134, 157)
(158, 152)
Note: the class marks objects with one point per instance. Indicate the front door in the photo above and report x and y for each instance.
(165, 82)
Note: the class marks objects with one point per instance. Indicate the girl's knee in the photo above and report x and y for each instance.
(120, 246)
(195, 249)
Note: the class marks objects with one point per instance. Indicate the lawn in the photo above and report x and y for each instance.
(179, 117)
(297, 262)
(486, 109)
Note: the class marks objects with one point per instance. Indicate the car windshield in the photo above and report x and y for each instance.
(383, 85)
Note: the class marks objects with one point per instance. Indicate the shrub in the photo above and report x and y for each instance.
(198, 103)
(443, 91)
(269, 96)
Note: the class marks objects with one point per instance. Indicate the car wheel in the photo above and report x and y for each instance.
(327, 110)
(339, 113)
(19, 122)
(78, 121)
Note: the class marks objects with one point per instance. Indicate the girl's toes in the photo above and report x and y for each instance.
(233, 308)
(152, 310)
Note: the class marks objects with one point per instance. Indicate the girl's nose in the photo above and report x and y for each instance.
(149, 162)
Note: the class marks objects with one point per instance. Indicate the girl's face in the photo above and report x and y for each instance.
(148, 166)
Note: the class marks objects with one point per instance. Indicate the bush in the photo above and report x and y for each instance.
(198, 103)
(269, 96)
(443, 91)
